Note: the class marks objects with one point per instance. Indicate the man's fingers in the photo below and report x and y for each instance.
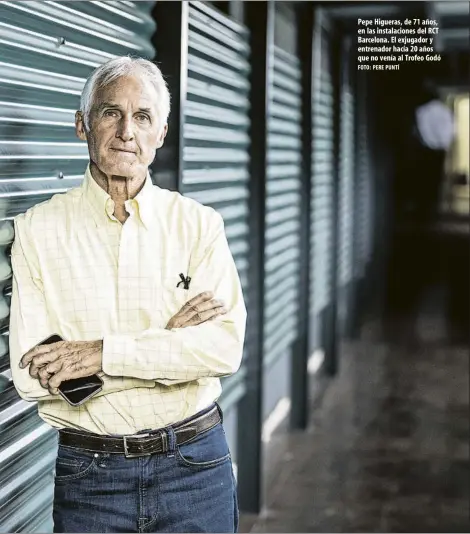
(197, 310)
(65, 374)
(45, 372)
(43, 376)
(53, 390)
(38, 351)
(41, 360)
(200, 308)
(203, 317)
(75, 370)
(53, 367)
(199, 299)
(57, 379)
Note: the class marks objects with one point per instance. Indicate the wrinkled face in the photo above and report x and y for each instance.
(125, 127)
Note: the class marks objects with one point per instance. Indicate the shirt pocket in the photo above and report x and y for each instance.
(171, 293)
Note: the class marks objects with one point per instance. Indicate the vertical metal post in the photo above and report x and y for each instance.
(237, 10)
(299, 387)
(260, 20)
(171, 43)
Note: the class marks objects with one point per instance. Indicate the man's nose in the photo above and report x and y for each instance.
(125, 129)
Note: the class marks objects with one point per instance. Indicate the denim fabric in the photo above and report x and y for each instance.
(191, 488)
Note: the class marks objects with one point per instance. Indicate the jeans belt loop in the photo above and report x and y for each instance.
(219, 409)
(164, 437)
(170, 440)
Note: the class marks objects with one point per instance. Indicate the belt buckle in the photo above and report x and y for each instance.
(128, 454)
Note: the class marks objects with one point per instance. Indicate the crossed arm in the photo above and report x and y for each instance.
(190, 347)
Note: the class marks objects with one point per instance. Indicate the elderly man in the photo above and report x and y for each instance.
(140, 284)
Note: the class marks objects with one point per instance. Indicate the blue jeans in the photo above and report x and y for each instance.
(191, 488)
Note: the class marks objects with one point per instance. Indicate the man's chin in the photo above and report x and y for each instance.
(124, 169)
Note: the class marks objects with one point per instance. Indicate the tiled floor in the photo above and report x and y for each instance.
(387, 449)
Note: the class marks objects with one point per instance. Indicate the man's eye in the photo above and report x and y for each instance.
(142, 118)
(110, 113)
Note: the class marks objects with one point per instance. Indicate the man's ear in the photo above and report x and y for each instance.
(80, 126)
(162, 136)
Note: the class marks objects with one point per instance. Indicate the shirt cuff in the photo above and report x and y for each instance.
(118, 353)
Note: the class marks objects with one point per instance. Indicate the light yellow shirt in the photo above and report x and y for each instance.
(80, 273)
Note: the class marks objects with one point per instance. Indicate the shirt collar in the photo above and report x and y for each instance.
(103, 204)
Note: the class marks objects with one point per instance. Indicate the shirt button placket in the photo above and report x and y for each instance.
(128, 275)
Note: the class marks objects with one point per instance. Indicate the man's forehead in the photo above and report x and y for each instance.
(140, 92)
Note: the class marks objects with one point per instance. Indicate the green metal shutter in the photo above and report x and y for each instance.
(47, 51)
(283, 207)
(216, 139)
(346, 175)
(362, 211)
(322, 174)
(370, 188)
(364, 186)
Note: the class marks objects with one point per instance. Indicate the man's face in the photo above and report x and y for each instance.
(125, 127)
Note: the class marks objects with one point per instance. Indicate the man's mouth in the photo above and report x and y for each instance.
(123, 150)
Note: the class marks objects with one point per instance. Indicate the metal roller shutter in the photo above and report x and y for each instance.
(283, 206)
(361, 181)
(362, 212)
(322, 174)
(346, 175)
(216, 139)
(47, 51)
(370, 186)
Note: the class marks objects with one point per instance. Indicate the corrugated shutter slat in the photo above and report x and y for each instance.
(346, 180)
(322, 176)
(283, 204)
(363, 194)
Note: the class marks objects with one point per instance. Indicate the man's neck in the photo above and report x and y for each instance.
(119, 188)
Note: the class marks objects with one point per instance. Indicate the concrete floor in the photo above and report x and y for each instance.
(387, 449)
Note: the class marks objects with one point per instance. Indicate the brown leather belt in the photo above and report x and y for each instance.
(146, 444)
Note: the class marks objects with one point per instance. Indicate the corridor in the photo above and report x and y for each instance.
(387, 446)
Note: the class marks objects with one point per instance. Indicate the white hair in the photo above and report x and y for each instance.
(117, 68)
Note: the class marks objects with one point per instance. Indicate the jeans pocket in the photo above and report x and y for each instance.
(72, 464)
(207, 450)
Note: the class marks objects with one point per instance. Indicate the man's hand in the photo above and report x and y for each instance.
(53, 364)
(200, 309)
